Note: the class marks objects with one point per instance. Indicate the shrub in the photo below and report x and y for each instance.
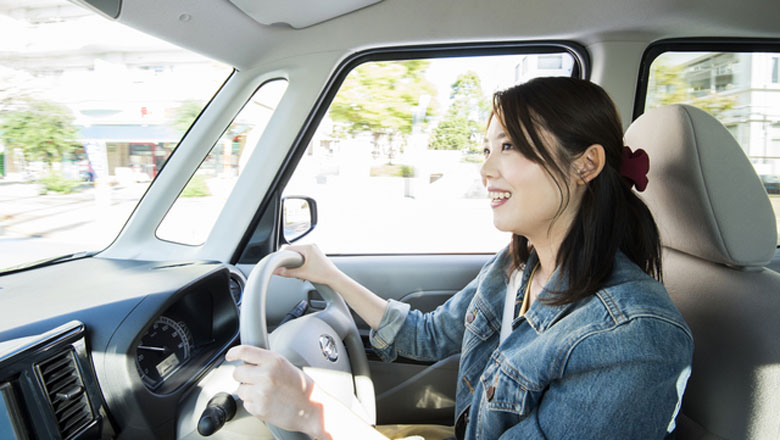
(196, 187)
(473, 158)
(392, 171)
(56, 182)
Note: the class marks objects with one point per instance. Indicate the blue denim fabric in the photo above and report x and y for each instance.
(613, 365)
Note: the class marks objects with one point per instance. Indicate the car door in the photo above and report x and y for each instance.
(393, 165)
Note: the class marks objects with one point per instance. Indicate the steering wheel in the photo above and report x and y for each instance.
(325, 344)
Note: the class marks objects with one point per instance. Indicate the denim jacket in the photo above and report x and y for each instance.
(612, 365)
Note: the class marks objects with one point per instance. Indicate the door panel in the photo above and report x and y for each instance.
(408, 391)
(415, 393)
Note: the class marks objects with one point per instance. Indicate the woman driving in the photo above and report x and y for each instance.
(567, 332)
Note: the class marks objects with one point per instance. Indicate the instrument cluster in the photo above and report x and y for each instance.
(177, 343)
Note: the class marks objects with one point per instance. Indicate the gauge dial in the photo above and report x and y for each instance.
(164, 347)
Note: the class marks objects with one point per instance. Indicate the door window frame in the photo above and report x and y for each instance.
(252, 239)
(656, 49)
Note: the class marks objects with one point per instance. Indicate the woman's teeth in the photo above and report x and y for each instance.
(496, 195)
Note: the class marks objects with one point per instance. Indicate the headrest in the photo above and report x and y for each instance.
(703, 192)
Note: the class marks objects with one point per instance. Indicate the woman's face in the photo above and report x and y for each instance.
(523, 197)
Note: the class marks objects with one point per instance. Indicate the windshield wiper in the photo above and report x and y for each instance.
(48, 261)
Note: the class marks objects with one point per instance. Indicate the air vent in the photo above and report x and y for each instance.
(236, 289)
(65, 389)
(236, 282)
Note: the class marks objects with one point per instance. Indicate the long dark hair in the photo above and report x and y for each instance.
(578, 114)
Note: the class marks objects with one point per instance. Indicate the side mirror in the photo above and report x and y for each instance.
(299, 217)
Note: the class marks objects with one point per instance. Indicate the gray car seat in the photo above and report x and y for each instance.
(718, 232)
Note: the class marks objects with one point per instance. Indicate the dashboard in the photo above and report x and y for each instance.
(111, 354)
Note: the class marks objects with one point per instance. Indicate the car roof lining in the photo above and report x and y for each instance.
(199, 26)
(298, 14)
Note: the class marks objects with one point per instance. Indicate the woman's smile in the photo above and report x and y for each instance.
(498, 197)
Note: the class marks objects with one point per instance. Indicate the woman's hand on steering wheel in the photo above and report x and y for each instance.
(316, 267)
(327, 342)
(274, 390)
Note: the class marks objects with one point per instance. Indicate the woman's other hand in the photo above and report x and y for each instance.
(279, 393)
(316, 268)
(276, 391)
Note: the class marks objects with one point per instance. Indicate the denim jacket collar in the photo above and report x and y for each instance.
(541, 315)
(493, 286)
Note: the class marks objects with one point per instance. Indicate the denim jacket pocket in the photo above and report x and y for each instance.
(504, 391)
(477, 323)
(478, 329)
(505, 401)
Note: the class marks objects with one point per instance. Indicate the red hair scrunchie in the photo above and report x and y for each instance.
(634, 166)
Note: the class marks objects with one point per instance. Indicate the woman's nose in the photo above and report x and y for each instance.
(487, 170)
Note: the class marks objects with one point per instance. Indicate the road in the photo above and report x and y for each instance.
(34, 226)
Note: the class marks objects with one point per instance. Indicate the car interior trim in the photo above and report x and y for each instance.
(29, 362)
(206, 155)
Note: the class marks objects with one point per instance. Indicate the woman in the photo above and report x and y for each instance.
(567, 333)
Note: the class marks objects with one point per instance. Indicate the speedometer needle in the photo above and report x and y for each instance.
(146, 347)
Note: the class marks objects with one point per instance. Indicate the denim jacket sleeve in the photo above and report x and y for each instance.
(424, 336)
(617, 384)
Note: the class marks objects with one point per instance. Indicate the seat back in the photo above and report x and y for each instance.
(718, 231)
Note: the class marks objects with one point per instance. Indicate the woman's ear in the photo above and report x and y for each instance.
(590, 163)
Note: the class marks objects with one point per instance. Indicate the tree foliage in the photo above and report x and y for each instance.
(381, 97)
(185, 114)
(465, 119)
(672, 88)
(42, 130)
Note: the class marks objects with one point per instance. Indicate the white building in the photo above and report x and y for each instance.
(753, 80)
(536, 65)
(57, 51)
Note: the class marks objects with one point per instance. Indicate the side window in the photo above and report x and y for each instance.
(741, 89)
(394, 164)
(190, 219)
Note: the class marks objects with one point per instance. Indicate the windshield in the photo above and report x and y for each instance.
(90, 110)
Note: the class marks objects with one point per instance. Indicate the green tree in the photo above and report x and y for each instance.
(670, 87)
(465, 119)
(184, 115)
(381, 98)
(42, 130)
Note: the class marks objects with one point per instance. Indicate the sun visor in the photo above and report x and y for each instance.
(298, 13)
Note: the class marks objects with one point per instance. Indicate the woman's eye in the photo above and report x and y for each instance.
(505, 147)
(486, 152)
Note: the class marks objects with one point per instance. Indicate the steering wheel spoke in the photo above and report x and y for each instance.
(336, 313)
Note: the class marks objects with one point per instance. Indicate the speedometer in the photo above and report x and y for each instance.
(164, 347)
